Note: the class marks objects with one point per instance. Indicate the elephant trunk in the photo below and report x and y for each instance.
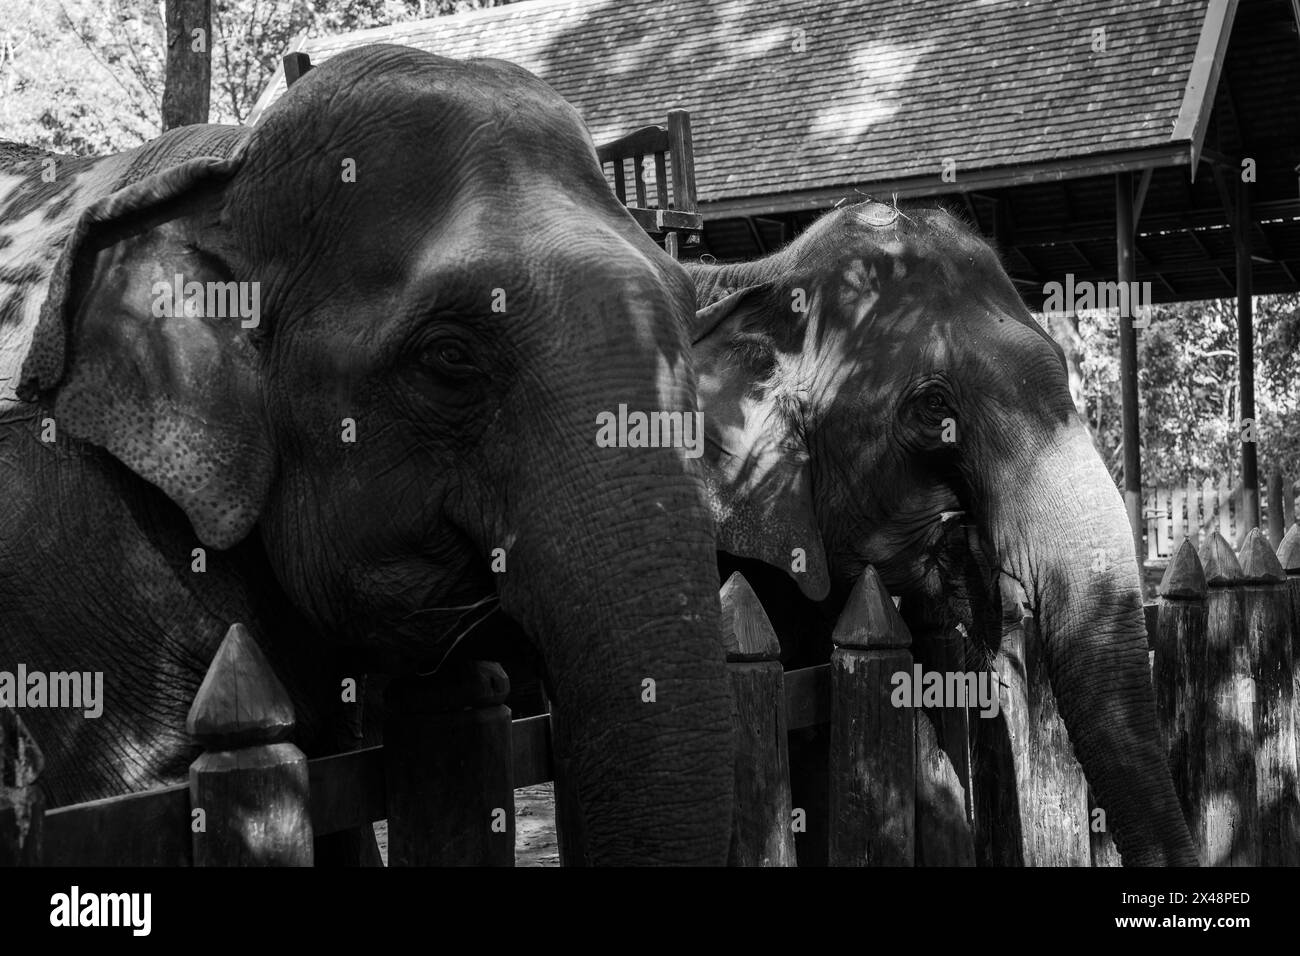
(1080, 573)
(618, 588)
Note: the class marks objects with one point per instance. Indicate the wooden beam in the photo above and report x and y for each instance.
(1198, 95)
(1153, 267)
(1126, 271)
(926, 185)
(1210, 258)
(1192, 218)
(1143, 185)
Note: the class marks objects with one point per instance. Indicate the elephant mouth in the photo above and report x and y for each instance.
(959, 588)
(421, 640)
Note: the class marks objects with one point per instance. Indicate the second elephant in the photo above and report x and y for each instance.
(879, 376)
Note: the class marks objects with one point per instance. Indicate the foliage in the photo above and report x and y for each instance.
(1188, 391)
(85, 76)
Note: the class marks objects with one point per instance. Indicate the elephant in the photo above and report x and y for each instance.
(872, 389)
(390, 439)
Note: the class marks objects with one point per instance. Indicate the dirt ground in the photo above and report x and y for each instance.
(534, 828)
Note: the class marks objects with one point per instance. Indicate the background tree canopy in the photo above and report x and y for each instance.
(1187, 381)
(86, 77)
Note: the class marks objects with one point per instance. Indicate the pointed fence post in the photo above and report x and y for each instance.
(1223, 816)
(1267, 613)
(1288, 555)
(248, 790)
(449, 768)
(1000, 747)
(873, 743)
(22, 806)
(944, 811)
(1180, 639)
(761, 832)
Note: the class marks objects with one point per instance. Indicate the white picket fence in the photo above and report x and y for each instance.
(1195, 510)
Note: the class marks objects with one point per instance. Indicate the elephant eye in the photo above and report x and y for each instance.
(448, 358)
(935, 401)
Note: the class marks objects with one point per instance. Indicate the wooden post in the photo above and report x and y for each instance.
(1056, 829)
(872, 754)
(1125, 243)
(449, 768)
(248, 790)
(1267, 613)
(22, 806)
(760, 829)
(944, 812)
(295, 65)
(682, 155)
(1221, 796)
(1049, 788)
(1246, 355)
(1180, 637)
(1000, 748)
(1288, 555)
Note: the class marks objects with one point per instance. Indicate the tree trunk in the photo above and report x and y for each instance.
(189, 63)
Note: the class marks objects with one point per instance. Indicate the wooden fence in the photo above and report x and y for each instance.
(890, 784)
(1195, 509)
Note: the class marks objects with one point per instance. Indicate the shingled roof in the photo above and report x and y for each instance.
(844, 93)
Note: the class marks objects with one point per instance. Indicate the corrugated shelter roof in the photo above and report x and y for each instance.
(843, 93)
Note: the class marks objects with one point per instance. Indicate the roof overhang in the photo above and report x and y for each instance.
(995, 177)
(1203, 80)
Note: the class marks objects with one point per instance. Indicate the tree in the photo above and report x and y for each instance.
(189, 64)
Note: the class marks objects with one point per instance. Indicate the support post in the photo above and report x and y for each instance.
(1126, 262)
(1246, 356)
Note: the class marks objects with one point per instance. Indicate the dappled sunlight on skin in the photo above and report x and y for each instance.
(893, 302)
(880, 373)
(33, 216)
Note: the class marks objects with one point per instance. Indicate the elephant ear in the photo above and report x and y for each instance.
(173, 396)
(756, 459)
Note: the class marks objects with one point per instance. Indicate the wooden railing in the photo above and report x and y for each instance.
(670, 146)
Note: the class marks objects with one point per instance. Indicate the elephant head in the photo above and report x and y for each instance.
(881, 374)
(446, 297)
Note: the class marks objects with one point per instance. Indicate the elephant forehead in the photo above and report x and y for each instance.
(876, 213)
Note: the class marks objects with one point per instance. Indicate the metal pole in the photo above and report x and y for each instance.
(1127, 273)
(1246, 357)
